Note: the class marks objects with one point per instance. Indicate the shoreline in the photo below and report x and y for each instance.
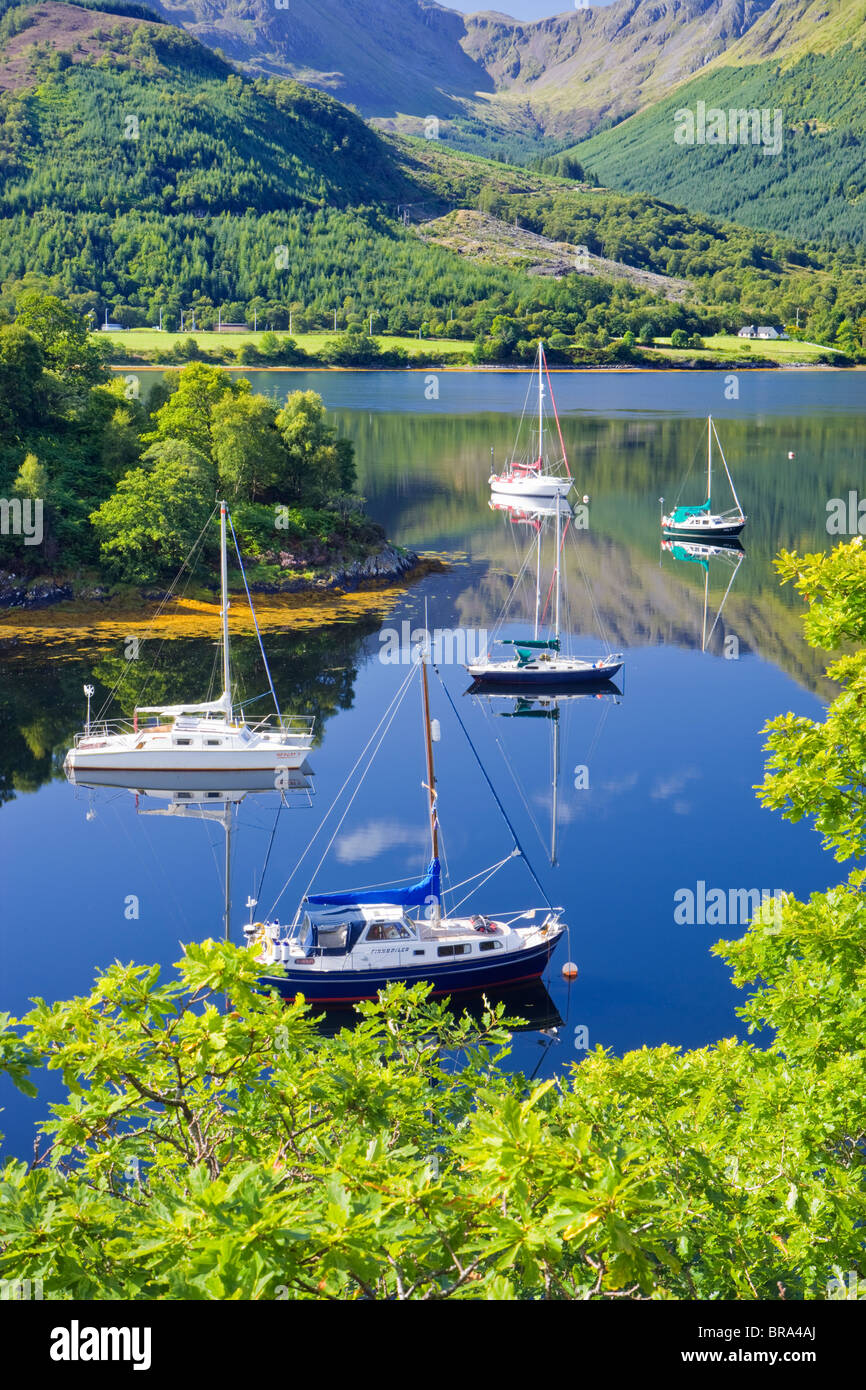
(381, 571)
(505, 367)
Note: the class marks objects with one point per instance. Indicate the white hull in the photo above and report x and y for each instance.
(206, 745)
(535, 485)
(84, 760)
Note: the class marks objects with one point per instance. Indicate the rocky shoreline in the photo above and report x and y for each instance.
(386, 567)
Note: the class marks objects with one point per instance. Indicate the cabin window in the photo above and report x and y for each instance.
(418, 953)
(184, 742)
(459, 950)
(388, 931)
(486, 945)
(214, 742)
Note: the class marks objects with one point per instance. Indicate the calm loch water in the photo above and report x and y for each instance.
(653, 787)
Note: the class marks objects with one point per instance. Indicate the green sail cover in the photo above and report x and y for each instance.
(680, 514)
(552, 645)
(678, 553)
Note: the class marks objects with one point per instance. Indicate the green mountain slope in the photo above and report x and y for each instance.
(815, 186)
(141, 173)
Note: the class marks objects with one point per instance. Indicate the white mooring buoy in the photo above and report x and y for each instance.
(569, 970)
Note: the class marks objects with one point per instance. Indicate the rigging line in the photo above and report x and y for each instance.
(553, 576)
(698, 449)
(724, 600)
(599, 730)
(599, 621)
(180, 913)
(270, 847)
(160, 607)
(500, 621)
(472, 877)
(255, 619)
(493, 791)
(488, 875)
(529, 386)
(515, 779)
(339, 824)
(409, 676)
(556, 418)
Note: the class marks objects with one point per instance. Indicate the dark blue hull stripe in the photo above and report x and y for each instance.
(345, 986)
(538, 678)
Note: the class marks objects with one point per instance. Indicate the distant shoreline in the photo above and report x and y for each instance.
(506, 367)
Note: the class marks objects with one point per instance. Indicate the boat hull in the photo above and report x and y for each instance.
(722, 531)
(526, 488)
(538, 678)
(455, 977)
(85, 761)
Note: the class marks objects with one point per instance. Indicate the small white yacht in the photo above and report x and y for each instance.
(208, 736)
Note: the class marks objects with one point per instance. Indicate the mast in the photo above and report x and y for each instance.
(706, 597)
(540, 404)
(555, 781)
(556, 572)
(538, 577)
(227, 826)
(709, 457)
(431, 774)
(224, 579)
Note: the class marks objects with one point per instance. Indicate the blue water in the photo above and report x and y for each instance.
(671, 765)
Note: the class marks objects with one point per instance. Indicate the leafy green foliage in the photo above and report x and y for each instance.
(213, 1144)
(141, 486)
(816, 767)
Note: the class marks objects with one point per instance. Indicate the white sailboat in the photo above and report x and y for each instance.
(701, 521)
(208, 736)
(536, 475)
(539, 661)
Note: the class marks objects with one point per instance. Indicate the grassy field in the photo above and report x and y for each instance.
(136, 340)
(724, 344)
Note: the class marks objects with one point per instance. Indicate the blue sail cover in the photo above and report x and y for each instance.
(416, 895)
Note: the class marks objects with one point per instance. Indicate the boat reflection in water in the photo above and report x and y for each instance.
(545, 703)
(205, 796)
(729, 553)
(530, 1002)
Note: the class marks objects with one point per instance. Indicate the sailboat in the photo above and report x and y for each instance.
(538, 661)
(698, 553)
(536, 475)
(701, 520)
(346, 946)
(209, 736)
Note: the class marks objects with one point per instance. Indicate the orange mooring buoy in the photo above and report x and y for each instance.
(569, 970)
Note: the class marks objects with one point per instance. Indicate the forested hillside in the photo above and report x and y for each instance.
(814, 187)
(143, 175)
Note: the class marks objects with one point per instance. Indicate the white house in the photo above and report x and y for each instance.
(764, 331)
